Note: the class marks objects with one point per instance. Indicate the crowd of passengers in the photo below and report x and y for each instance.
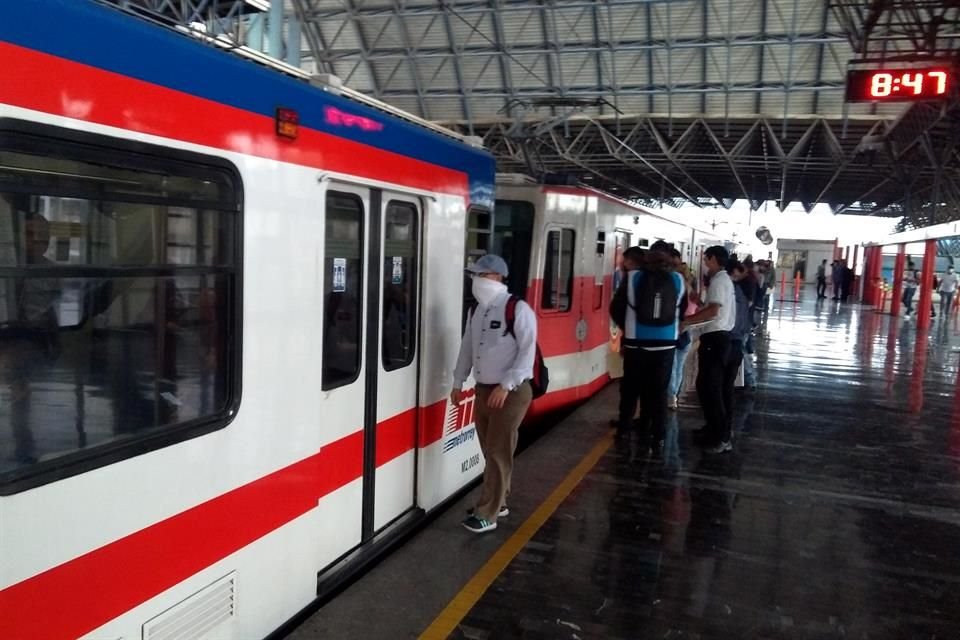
(662, 311)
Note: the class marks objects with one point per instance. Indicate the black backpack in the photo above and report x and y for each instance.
(656, 299)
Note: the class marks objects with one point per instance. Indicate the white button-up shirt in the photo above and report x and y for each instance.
(493, 355)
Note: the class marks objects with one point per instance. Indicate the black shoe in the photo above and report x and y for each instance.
(725, 446)
(656, 449)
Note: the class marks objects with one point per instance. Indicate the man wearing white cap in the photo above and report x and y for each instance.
(502, 363)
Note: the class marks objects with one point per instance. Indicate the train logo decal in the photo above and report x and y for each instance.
(455, 431)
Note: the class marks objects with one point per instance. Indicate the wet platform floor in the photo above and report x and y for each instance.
(836, 516)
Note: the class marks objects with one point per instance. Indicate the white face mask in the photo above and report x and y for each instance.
(486, 290)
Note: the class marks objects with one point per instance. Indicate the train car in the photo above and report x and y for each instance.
(564, 245)
(229, 311)
(230, 305)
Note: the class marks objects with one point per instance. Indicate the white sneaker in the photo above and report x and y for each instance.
(672, 403)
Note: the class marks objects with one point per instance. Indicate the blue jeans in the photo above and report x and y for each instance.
(908, 298)
(676, 376)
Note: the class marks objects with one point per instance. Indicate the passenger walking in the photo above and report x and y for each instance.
(738, 341)
(720, 314)
(822, 281)
(684, 344)
(655, 296)
(836, 277)
(911, 280)
(846, 280)
(746, 284)
(947, 288)
(502, 362)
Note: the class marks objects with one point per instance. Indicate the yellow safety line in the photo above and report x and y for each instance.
(460, 606)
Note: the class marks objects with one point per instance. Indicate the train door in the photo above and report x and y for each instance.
(371, 298)
(395, 388)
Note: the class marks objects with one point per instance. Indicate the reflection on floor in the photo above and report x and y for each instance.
(837, 515)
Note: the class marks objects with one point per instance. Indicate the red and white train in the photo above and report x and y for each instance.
(230, 305)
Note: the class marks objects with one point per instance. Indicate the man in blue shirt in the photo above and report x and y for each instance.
(655, 296)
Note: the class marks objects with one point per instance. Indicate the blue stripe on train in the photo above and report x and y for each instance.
(98, 36)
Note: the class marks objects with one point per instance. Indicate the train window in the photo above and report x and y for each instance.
(119, 303)
(479, 232)
(513, 241)
(399, 285)
(342, 290)
(600, 254)
(558, 271)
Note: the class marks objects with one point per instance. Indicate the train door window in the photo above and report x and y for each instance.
(342, 290)
(513, 241)
(558, 271)
(600, 253)
(479, 235)
(400, 267)
(479, 232)
(119, 300)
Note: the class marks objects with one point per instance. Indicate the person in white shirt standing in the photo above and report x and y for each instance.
(948, 287)
(502, 363)
(720, 313)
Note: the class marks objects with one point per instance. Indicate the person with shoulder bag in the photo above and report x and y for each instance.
(655, 295)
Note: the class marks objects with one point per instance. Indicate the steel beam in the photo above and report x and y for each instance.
(648, 44)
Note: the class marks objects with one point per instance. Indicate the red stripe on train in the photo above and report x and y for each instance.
(82, 594)
(87, 93)
(78, 596)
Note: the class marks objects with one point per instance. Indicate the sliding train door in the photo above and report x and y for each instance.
(371, 280)
(394, 391)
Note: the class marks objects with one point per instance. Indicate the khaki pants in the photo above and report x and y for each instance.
(497, 430)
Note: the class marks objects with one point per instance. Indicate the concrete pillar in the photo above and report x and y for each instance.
(897, 293)
(926, 284)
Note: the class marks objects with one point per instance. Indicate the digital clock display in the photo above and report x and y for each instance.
(931, 83)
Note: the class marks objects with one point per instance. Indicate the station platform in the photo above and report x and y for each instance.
(837, 515)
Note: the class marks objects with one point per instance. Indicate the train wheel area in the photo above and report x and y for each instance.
(832, 517)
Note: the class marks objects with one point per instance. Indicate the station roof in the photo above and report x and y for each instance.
(701, 101)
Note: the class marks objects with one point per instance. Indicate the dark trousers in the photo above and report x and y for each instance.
(821, 287)
(646, 376)
(714, 354)
(730, 371)
(836, 288)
